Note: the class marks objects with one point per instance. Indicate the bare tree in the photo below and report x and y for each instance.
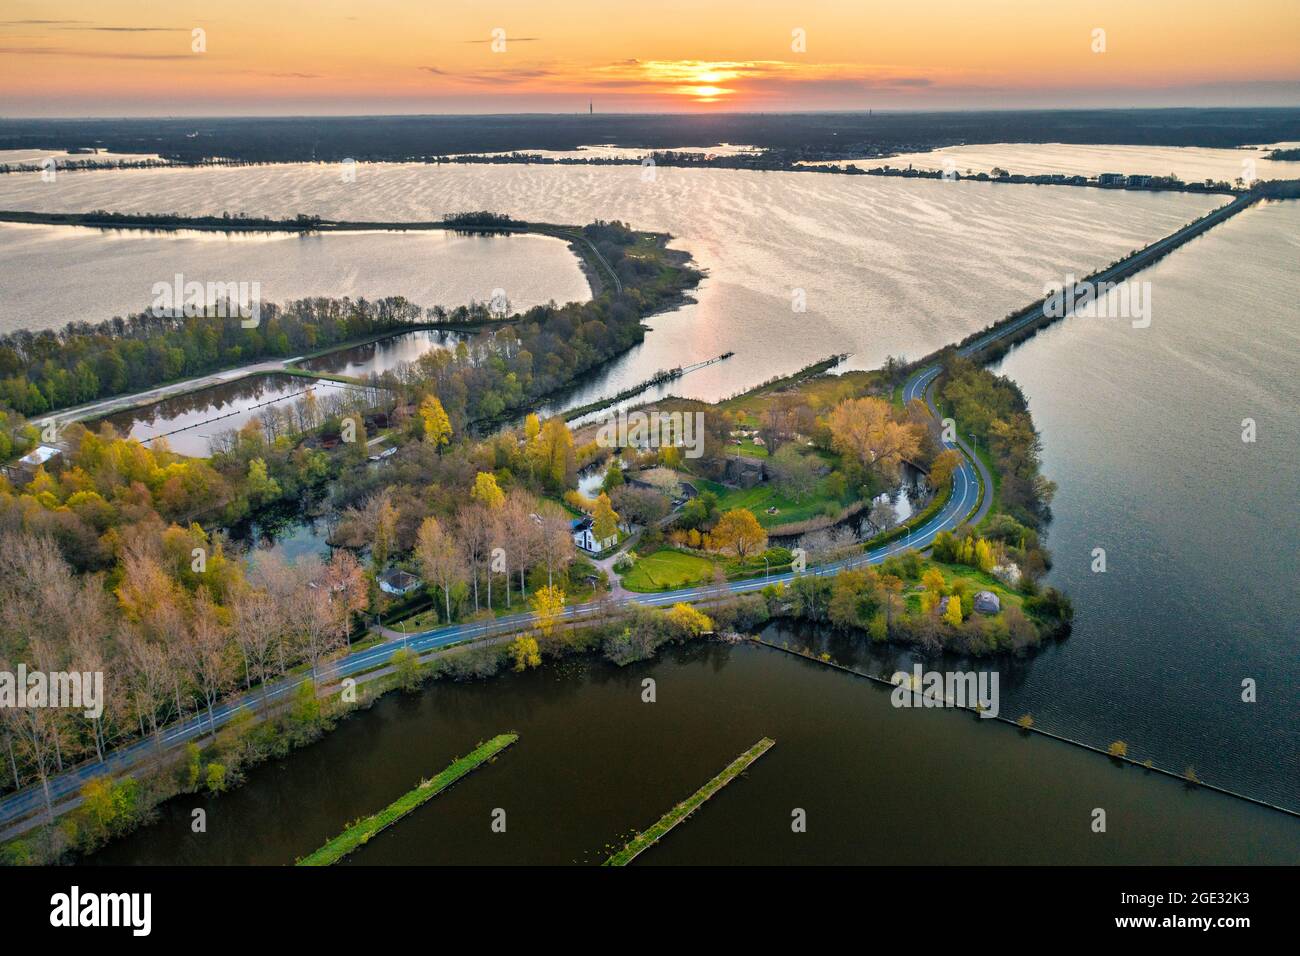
(440, 559)
(555, 540)
(206, 644)
(312, 618)
(474, 531)
(258, 623)
(345, 583)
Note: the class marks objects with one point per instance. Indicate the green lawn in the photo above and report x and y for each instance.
(668, 570)
(976, 580)
(763, 496)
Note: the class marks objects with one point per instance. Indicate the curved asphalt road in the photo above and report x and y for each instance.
(961, 503)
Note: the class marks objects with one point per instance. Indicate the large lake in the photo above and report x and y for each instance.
(1142, 430)
(56, 274)
(882, 267)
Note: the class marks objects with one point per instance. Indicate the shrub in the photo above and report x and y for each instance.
(216, 777)
(406, 668)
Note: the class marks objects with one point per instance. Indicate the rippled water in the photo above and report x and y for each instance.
(884, 267)
(56, 274)
(1142, 430)
(1190, 164)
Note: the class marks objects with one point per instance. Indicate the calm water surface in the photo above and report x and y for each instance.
(188, 421)
(386, 354)
(594, 763)
(1188, 163)
(53, 275)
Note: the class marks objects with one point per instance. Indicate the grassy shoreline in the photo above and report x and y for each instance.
(360, 833)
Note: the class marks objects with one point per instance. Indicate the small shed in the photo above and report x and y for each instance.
(46, 456)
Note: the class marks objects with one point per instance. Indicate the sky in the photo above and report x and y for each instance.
(278, 57)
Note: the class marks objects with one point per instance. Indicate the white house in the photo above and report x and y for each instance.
(584, 536)
(398, 582)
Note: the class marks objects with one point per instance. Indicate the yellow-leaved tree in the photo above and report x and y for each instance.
(487, 490)
(952, 614)
(437, 426)
(525, 652)
(688, 622)
(548, 605)
(604, 519)
(864, 428)
(739, 532)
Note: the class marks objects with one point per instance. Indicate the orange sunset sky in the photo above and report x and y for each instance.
(120, 58)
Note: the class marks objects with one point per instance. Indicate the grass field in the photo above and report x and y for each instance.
(975, 581)
(667, 570)
(763, 496)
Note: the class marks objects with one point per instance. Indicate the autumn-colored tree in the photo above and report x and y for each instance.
(548, 606)
(311, 618)
(515, 525)
(382, 516)
(604, 519)
(934, 581)
(525, 652)
(864, 429)
(687, 621)
(952, 613)
(555, 544)
(474, 528)
(434, 421)
(487, 490)
(554, 452)
(206, 642)
(942, 468)
(739, 532)
(345, 583)
(258, 624)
